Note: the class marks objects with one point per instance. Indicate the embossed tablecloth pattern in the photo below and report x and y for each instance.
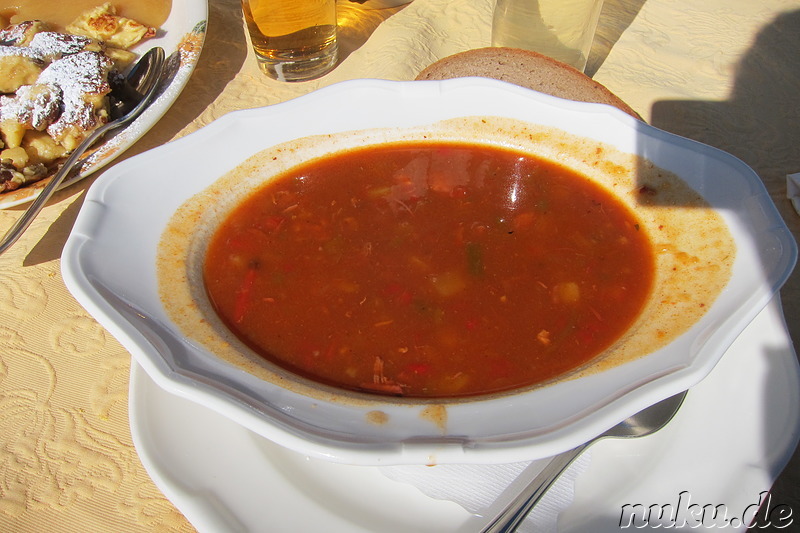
(722, 71)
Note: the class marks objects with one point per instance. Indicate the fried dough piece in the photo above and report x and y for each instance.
(41, 148)
(34, 106)
(21, 65)
(83, 79)
(51, 45)
(103, 23)
(18, 67)
(22, 33)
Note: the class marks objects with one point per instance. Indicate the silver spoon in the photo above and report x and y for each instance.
(139, 90)
(642, 423)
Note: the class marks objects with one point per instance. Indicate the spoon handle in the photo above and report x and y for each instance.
(515, 512)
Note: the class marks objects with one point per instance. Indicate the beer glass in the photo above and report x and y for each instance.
(294, 40)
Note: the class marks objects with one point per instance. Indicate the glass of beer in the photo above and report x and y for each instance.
(561, 29)
(294, 40)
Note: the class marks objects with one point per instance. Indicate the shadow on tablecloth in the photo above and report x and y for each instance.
(760, 124)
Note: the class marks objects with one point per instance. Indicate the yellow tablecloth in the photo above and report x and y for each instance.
(725, 72)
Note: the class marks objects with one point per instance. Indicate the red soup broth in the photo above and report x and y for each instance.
(429, 270)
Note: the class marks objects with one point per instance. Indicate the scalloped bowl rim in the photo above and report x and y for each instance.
(113, 276)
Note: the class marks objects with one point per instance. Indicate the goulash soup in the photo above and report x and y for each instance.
(429, 270)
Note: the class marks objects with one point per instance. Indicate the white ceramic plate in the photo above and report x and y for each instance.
(109, 264)
(732, 437)
(181, 36)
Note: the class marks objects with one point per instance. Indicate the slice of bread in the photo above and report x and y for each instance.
(527, 69)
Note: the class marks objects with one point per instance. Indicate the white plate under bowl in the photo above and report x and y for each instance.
(181, 36)
(733, 435)
(109, 264)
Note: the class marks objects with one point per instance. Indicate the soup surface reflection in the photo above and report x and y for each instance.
(429, 270)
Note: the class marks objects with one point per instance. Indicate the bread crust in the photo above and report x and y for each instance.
(527, 69)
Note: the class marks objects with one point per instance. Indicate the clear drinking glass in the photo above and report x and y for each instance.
(294, 40)
(561, 29)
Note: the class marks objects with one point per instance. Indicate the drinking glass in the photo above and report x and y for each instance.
(561, 29)
(294, 40)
